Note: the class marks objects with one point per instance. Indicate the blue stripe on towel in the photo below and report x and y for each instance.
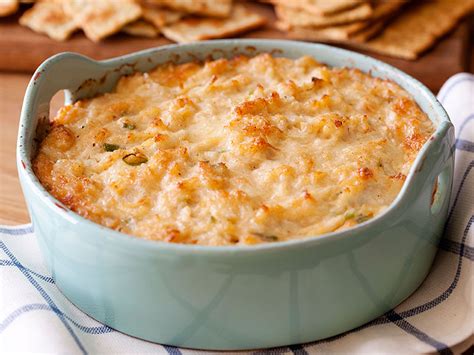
(11, 263)
(272, 351)
(41, 306)
(465, 145)
(298, 350)
(22, 310)
(458, 193)
(16, 231)
(44, 294)
(172, 350)
(465, 251)
(396, 319)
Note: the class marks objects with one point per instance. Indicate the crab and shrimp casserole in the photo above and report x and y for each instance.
(235, 151)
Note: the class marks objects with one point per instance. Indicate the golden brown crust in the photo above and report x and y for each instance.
(240, 151)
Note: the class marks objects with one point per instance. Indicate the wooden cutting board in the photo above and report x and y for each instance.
(23, 50)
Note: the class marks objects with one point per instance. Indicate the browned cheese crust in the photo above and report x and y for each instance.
(240, 151)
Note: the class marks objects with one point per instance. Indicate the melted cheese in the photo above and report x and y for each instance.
(239, 151)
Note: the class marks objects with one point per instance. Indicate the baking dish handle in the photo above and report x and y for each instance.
(432, 180)
(64, 71)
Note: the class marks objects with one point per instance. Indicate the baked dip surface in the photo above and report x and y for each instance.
(240, 151)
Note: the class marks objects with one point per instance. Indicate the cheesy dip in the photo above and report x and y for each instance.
(241, 151)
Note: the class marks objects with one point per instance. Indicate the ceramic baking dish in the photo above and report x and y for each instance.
(236, 297)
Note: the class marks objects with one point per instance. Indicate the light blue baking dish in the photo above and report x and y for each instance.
(236, 297)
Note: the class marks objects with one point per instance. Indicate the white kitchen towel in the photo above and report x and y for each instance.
(36, 317)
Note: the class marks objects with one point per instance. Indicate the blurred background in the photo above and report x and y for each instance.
(429, 39)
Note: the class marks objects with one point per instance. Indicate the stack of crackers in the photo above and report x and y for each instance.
(178, 20)
(399, 28)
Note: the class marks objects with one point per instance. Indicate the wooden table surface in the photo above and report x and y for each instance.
(12, 88)
(12, 205)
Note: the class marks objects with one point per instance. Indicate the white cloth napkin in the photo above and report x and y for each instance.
(36, 317)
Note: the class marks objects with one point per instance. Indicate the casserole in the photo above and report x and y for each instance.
(236, 297)
(292, 149)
